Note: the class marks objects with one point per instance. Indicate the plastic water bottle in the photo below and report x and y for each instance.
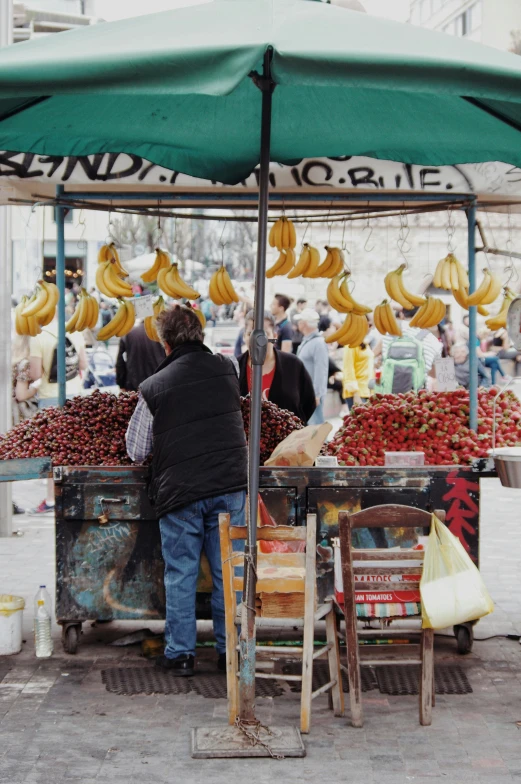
(42, 624)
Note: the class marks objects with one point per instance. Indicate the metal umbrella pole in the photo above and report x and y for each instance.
(258, 344)
(60, 282)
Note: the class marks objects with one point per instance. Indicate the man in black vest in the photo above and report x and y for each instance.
(189, 416)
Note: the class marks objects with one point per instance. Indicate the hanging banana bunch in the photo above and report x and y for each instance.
(162, 261)
(282, 234)
(308, 263)
(395, 288)
(462, 298)
(110, 253)
(488, 290)
(340, 298)
(500, 320)
(86, 314)
(450, 275)
(110, 282)
(333, 263)
(430, 314)
(26, 325)
(121, 324)
(351, 333)
(385, 320)
(151, 321)
(284, 263)
(170, 281)
(221, 289)
(39, 310)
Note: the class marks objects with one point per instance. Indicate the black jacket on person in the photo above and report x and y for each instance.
(199, 446)
(292, 387)
(143, 357)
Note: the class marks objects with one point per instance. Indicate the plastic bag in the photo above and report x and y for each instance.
(264, 518)
(452, 589)
(301, 447)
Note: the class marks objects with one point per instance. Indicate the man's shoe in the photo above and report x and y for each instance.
(221, 662)
(181, 666)
(42, 509)
(17, 509)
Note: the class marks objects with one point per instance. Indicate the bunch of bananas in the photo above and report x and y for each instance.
(25, 325)
(395, 288)
(308, 263)
(170, 281)
(162, 261)
(352, 332)
(282, 234)
(340, 298)
(86, 314)
(109, 280)
(149, 322)
(500, 320)
(450, 274)
(121, 324)
(333, 264)
(385, 320)
(462, 298)
(487, 291)
(37, 311)
(284, 263)
(110, 253)
(221, 288)
(430, 314)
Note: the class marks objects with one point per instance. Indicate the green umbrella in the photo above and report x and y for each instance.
(180, 88)
(174, 88)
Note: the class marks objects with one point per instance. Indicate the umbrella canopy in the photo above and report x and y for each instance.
(174, 88)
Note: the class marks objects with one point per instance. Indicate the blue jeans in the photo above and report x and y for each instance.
(185, 532)
(317, 417)
(495, 367)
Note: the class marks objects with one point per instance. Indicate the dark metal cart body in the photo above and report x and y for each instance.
(108, 551)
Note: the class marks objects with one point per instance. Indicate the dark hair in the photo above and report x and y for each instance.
(282, 300)
(250, 316)
(301, 301)
(178, 325)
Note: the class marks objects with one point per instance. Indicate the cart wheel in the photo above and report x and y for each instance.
(71, 638)
(464, 638)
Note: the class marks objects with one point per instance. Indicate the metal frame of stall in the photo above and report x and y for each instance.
(65, 201)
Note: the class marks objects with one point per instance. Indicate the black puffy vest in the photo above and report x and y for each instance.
(199, 442)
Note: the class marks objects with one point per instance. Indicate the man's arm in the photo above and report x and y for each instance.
(139, 432)
(321, 369)
(35, 359)
(286, 343)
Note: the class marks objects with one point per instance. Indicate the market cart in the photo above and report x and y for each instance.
(108, 549)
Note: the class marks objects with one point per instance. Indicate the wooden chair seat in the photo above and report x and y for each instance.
(284, 574)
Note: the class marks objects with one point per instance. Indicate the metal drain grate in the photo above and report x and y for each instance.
(401, 680)
(321, 677)
(149, 680)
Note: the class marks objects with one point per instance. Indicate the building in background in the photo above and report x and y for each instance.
(492, 22)
(41, 17)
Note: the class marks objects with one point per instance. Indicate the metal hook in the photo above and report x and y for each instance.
(451, 230)
(370, 229)
(343, 245)
(401, 243)
(305, 232)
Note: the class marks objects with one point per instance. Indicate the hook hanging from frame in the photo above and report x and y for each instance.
(82, 242)
(222, 244)
(109, 238)
(402, 242)
(451, 230)
(369, 228)
(343, 245)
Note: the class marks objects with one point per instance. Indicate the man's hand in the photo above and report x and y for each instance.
(317, 401)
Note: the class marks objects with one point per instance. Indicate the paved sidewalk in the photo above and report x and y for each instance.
(59, 724)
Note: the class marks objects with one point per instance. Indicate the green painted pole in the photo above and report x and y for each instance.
(60, 282)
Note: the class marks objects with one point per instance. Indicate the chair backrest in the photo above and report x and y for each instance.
(390, 571)
(277, 572)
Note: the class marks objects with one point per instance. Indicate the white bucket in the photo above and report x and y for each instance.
(11, 612)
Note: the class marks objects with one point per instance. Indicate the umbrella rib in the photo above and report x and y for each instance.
(492, 112)
(22, 107)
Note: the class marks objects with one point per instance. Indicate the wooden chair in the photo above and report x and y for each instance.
(299, 577)
(384, 516)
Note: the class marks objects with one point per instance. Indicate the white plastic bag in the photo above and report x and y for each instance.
(452, 589)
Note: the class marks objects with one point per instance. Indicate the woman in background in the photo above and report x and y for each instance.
(358, 373)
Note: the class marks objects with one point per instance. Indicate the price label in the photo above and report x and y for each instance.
(144, 306)
(445, 375)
